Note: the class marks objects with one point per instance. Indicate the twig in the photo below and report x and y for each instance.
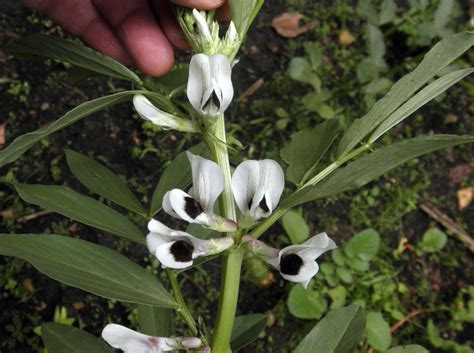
(34, 215)
(251, 89)
(402, 321)
(448, 223)
(74, 89)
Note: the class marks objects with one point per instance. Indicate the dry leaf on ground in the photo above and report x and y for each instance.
(465, 196)
(288, 24)
(346, 37)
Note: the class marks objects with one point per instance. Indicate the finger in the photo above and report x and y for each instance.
(223, 12)
(83, 20)
(200, 4)
(139, 32)
(169, 24)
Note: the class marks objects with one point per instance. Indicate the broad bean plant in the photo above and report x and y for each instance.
(234, 204)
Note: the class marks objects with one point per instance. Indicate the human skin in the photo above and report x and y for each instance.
(139, 33)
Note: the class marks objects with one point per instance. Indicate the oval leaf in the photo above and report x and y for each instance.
(70, 203)
(364, 245)
(412, 348)
(246, 329)
(90, 267)
(339, 332)
(378, 331)
(306, 303)
(73, 53)
(101, 180)
(295, 226)
(60, 338)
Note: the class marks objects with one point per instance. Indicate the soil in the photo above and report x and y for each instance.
(113, 135)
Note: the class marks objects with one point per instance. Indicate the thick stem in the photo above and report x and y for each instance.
(232, 261)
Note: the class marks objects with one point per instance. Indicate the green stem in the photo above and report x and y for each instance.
(182, 307)
(232, 261)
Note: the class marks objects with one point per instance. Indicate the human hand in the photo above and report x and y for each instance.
(137, 33)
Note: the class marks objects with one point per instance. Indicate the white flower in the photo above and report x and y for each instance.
(210, 88)
(296, 263)
(257, 187)
(196, 206)
(130, 341)
(149, 112)
(176, 249)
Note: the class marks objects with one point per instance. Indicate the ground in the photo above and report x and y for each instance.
(402, 278)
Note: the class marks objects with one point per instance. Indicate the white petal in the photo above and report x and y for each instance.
(208, 181)
(158, 227)
(148, 111)
(199, 81)
(203, 26)
(175, 204)
(307, 271)
(244, 184)
(317, 245)
(130, 341)
(221, 72)
(166, 204)
(159, 234)
(164, 254)
(272, 181)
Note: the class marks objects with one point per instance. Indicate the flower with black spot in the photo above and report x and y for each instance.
(296, 263)
(196, 206)
(210, 89)
(257, 187)
(176, 249)
(130, 341)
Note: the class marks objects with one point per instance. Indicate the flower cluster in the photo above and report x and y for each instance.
(256, 186)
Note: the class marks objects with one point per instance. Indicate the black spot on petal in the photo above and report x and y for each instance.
(263, 205)
(182, 251)
(192, 207)
(249, 204)
(214, 100)
(291, 264)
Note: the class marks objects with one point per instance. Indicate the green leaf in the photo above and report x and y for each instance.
(345, 275)
(378, 331)
(427, 94)
(433, 240)
(306, 303)
(176, 176)
(363, 245)
(371, 166)
(295, 226)
(358, 264)
(440, 56)
(388, 12)
(412, 348)
(338, 296)
(155, 321)
(101, 180)
(378, 86)
(22, 143)
(443, 13)
(339, 332)
(60, 338)
(73, 53)
(246, 329)
(306, 148)
(338, 257)
(90, 267)
(300, 70)
(376, 44)
(243, 12)
(70, 203)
